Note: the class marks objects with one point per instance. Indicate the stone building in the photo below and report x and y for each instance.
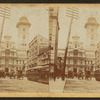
(8, 55)
(23, 40)
(12, 57)
(75, 56)
(97, 56)
(92, 39)
(38, 43)
(53, 35)
(43, 57)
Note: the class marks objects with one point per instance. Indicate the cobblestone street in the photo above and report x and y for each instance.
(15, 85)
(79, 86)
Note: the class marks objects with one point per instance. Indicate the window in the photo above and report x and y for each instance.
(24, 36)
(13, 61)
(69, 54)
(81, 54)
(20, 61)
(7, 46)
(75, 61)
(17, 61)
(16, 68)
(85, 62)
(81, 61)
(13, 54)
(75, 52)
(75, 45)
(79, 45)
(68, 61)
(50, 38)
(7, 61)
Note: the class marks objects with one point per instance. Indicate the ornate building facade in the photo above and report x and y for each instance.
(53, 36)
(75, 56)
(23, 40)
(8, 55)
(92, 39)
(12, 57)
(97, 56)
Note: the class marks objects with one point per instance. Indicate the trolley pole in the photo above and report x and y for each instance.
(73, 13)
(5, 13)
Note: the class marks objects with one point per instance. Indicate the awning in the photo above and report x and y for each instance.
(39, 67)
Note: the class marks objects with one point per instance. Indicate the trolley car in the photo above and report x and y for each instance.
(38, 74)
(97, 75)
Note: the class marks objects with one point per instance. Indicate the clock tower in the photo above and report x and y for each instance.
(92, 27)
(92, 38)
(23, 33)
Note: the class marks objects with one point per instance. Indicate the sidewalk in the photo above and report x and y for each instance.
(57, 85)
(8, 85)
(82, 86)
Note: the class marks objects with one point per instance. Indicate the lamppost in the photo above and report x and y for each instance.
(73, 13)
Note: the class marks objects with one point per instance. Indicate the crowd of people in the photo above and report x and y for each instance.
(87, 74)
(12, 74)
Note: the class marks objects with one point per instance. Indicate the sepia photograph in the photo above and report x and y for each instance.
(24, 65)
(75, 48)
(49, 50)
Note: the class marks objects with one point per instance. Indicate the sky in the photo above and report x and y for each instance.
(37, 16)
(39, 19)
(77, 25)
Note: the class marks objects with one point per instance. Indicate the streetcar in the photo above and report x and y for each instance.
(38, 74)
(97, 75)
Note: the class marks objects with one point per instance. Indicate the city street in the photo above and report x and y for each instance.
(16, 85)
(79, 86)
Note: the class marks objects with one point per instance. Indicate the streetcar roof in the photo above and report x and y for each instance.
(39, 67)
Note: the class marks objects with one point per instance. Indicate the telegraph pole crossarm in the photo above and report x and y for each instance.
(71, 12)
(5, 13)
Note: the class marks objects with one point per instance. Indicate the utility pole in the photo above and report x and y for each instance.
(5, 13)
(73, 13)
(56, 46)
